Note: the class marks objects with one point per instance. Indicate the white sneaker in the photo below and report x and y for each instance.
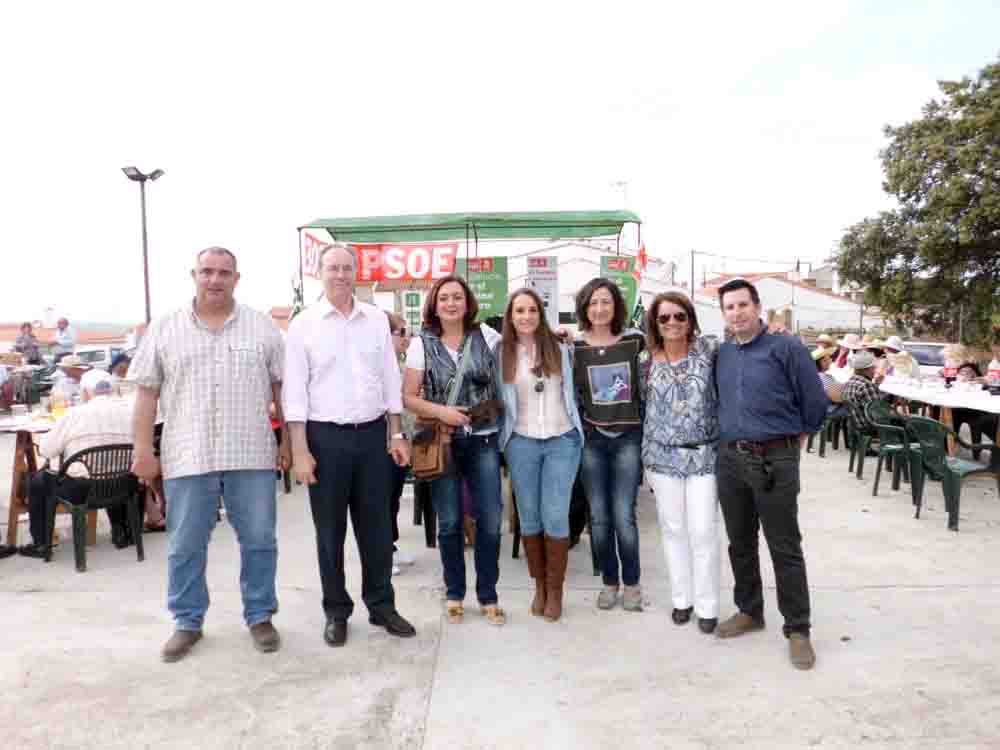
(401, 558)
(396, 570)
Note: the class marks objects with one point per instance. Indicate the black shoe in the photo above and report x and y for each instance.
(120, 537)
(335, 632)
(393, 623)
(6, 550)
(681, 616)
(707, 624)
(33, 550)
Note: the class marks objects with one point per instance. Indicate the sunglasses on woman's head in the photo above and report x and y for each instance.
(679, 317)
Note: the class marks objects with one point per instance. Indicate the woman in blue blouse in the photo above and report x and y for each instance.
(679, 447)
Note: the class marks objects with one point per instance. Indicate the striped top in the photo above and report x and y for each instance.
(215, 389)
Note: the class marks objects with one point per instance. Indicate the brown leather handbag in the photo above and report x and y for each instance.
(430, 457)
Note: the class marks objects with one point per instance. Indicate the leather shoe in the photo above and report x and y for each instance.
(707, 624)
(265, 637)
(179, 644)
(739, 624)
(335, 632)
(681, 616)
(393, 623)
(6, 550)
(800, 651)
(33, 550)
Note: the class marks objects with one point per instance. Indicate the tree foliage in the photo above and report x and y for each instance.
(937, 255)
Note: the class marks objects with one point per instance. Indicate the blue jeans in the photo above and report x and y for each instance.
(476, 458)
(543, 472)
(249, 497)
(611, 472)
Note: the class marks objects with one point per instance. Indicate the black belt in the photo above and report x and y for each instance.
(357, 425)
(762, 447)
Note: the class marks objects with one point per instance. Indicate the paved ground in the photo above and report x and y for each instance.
(906, 628)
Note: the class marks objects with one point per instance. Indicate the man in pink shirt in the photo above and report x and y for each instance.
(342, 386)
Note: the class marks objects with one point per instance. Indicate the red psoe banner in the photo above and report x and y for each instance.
(310, 255)
(424, 262)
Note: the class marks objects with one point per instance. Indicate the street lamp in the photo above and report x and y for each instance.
(136, 176)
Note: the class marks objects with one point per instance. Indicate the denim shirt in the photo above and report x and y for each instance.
(768, 389)
(508, 392)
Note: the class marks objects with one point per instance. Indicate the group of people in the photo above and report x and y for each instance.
(28, 345)
(710, 423)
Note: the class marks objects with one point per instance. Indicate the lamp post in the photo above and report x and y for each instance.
(136, 176)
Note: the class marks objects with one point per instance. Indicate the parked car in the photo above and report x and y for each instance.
(928, 355)
(98, 356)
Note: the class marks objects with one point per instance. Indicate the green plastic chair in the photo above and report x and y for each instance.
(860, 442)
(893, 447)
(934, 462)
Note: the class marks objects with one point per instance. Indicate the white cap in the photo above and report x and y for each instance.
(96, 381)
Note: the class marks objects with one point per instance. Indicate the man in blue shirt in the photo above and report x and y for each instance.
(770, 400)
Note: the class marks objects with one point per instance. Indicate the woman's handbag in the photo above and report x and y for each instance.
(430, 458)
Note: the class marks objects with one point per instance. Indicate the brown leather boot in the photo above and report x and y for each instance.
(534, 550)
(556, 554)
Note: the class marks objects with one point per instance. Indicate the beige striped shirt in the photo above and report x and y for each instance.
(101, 421)
(215, 388)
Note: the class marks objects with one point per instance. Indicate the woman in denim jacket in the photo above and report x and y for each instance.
(432, 363)
(542, 438)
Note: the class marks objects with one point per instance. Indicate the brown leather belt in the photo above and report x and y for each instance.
(762, 448)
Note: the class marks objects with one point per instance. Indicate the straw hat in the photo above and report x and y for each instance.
(894, 342)
(819, 352)
(869, 342)
(825, 340)
(72, 360)
(851, 341)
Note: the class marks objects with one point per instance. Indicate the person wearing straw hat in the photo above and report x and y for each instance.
(848, 345)
(824, 360)
(73, 369)
(898, 361)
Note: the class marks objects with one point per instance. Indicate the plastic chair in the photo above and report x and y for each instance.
(112, 483)
(861, 441)
(893, 447)
(933, 461)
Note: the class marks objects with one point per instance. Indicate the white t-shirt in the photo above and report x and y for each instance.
(415, 358)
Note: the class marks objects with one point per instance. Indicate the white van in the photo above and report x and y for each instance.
(98, 356)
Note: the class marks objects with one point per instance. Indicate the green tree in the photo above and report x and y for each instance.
(934, 261)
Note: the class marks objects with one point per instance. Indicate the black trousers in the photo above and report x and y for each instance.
(748, 506)
(353, 473)
(43, 484)
(395, 495)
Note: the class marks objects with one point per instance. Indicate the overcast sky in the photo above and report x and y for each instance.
(746, 129)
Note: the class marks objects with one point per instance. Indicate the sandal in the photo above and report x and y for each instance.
(455, 611)
(494, 614)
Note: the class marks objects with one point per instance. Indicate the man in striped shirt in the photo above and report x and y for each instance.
(214, 366)
(101, 420)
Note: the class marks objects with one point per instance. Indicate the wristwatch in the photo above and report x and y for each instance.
(400, 436)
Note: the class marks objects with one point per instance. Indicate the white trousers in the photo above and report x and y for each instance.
(689, 521)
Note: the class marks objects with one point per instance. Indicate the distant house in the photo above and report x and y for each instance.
(801, 304)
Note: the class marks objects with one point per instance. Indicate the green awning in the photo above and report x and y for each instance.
(535, 225)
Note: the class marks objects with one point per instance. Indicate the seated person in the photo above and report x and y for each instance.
(72, 369)
(101, 420)
(981, 424)
(119, 368)
(824, 361)
(860, 389)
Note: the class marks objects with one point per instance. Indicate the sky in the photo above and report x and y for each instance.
(749, 130)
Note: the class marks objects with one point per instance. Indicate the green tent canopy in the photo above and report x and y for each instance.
(540, 225)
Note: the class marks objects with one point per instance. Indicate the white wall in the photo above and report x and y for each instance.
(810, 308)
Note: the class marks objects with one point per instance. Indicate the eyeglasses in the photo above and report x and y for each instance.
(679, 317)
(401, 333)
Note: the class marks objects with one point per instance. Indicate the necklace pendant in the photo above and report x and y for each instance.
(601, 352)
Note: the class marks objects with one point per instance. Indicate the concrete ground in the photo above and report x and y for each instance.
(906, 627)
